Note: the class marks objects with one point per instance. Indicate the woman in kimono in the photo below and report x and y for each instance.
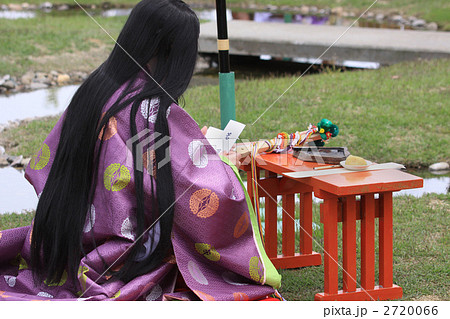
(134, 203)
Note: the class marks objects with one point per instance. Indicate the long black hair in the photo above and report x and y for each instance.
(160, 36)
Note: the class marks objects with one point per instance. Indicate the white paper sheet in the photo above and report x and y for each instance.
(313, 173)
(223, 140)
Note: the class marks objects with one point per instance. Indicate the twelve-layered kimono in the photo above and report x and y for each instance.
(217, 248)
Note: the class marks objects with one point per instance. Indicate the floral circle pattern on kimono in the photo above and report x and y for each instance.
(204, 203)
(10, 280)
(127, 229)
(256, 269)
(208, 251)
(41, 158)
(149, 109)
(116, 177)
(197, 153)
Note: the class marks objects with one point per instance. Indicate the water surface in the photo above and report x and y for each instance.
(37, 103)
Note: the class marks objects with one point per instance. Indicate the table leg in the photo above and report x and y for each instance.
(330, 207)
(288, 241)
(349, 244)
(385, 241)
(306, 257)
(368, 242)
(368, 291)
(306, 231)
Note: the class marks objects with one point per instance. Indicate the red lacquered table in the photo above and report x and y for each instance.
(340, 205)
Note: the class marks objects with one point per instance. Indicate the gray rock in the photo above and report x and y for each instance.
(370, 15)
(337, 11)
(9, 85)
(14, 7)
(432, 26)
(46, 6)
(327, 11)
(379, 17)
(42, 77)
(313, 10)
(63, 79)
(25, 162)
(15, 160)
(27, 78)
(63, 7)
(441, 166)
(397, 18)
(419, 23)
(79, 76)
(37, 86)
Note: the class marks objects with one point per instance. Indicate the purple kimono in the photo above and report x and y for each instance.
(217, 247)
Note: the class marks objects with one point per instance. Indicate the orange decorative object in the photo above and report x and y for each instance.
(340, 205)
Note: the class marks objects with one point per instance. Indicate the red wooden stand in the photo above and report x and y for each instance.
(340, 205)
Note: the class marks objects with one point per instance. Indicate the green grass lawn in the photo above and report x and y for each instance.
(420, 254)
(62, 42)
(28, 137)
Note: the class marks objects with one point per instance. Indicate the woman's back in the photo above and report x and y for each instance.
(132, 197)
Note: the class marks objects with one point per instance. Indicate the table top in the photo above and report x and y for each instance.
(353, 183)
